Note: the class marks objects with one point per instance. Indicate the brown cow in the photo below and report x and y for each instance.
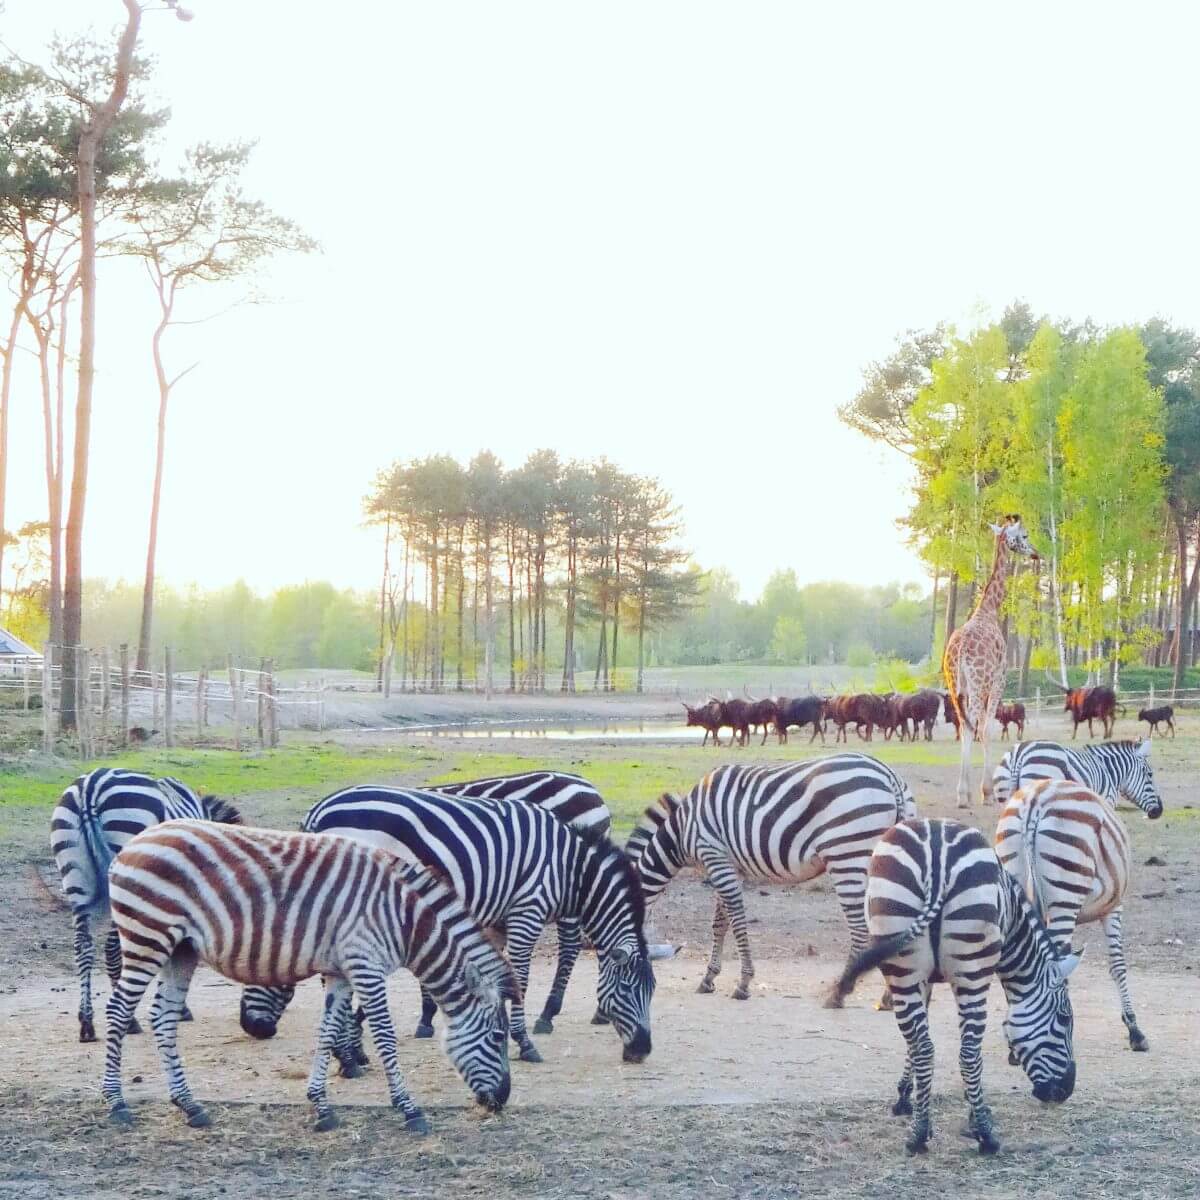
(736, 714)
(1011, 714)
(764, 713)
(1091, 704)
(864, 709)
(951, 713)
(807, 710)
(893, 717)
(708, 718)
(921, 708)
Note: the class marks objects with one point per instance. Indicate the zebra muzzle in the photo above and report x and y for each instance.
(638, 1047)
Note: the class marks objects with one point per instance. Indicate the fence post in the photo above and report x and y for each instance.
(387, 670)
(169, 697)
(1151, 703)
(154, 709)
(48, 697)
(272, 710)
(321, 704)
(83, 691)
(1037, 707)
(125, 694)
(105, 700)
(200, 704)
(25, 683)
(235, 696)
(262, 671)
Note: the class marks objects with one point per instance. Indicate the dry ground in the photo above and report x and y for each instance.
(773, 1097)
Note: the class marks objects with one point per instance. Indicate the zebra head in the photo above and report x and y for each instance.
(261, 1009)
(613, 913)
(476, 1035)
(1137, 781)
(1040, 1027)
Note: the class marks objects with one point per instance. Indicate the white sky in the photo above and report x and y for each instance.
(670, 233)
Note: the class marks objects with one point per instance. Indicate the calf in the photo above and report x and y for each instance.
(1011, 714)
(1164, 715)
(807, 710)
(921, 708)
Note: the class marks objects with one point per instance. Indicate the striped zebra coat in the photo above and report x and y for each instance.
(92, 820)
(941, 908)
(785, 824)
(515, 867)
(1069, 851)
(1110, 769)
(275, 908)
(575, 802)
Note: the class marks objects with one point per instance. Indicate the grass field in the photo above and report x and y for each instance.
(764, 1099)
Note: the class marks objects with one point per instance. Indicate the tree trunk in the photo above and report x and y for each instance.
(387, 544)
(641, 670)
(568, 678)
(932, 618)
(489, 652)
(611, 682)
(94, 130)
(512, 616)
(952, 606)
(164, 394)
(10, 349)
(462, 584)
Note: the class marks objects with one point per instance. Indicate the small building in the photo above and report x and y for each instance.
(14, 654)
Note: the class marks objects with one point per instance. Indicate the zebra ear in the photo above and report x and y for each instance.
(1142, 749)
(619, 955)
(1067, 964)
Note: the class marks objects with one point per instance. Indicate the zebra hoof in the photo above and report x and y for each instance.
(917, 1145)
(884, 1003)
(706, 987)
(120, 1115)
(741, 992)
(198, 1118)
(186, 1014)
(417, 1124)
(543, 1025)
(424, 1031)
(1137, 1040)
(134, 1026)
(598, 1018)
(1013, 1060)
(529, 1053)
(351, 1070)
(87, 1031)
(902, 1107)
(988, 1143)
(325, 1122)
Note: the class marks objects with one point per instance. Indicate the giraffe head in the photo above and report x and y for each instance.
(1015, 537)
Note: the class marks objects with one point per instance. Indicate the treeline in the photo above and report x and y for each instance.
(303, 625)
(1093, 435)
(819, 623)
(510, 577)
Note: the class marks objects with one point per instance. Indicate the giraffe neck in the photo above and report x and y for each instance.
(993, 591)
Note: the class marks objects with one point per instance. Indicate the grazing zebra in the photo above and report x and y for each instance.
(940, 907)
(1110, 769)
(515, 867)
(1069, 851)
(576, 803)
(785, 823)
(93, 819)
(275, 908)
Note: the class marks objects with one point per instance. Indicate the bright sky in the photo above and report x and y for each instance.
(671, 233)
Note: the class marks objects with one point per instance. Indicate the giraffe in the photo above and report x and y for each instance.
(973, 664)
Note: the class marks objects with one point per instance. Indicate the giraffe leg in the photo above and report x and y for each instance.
(964, 763)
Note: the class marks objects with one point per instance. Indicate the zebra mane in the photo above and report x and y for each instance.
(652, 820)
(216, 809)
(1021, 903)
(626, 872)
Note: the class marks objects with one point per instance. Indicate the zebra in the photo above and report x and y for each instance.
(787, 823)
(275, 908)
(1111, 769)
(92, 820)
(1069, 851)
(515, 866)
(940, 907)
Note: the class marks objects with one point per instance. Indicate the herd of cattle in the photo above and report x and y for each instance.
(907, 716)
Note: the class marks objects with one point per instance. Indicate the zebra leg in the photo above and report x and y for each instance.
(85, 957)
(850, 887)
(913, 1018)
(729, 891)
(349, 1049)
(336, 1010)
(720, 928)
(129, 989)
(523, 932)
(372, 991)
(972, 1021)
(1116, 968)
(570, 939)
(164, 1020)
(428, 1009)
(112, 965)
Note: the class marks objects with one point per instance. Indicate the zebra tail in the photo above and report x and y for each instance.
(100, 855)
(881, 949)
(216, 809)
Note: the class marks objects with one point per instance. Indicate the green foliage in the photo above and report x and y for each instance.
(789, 643)
(860, 654)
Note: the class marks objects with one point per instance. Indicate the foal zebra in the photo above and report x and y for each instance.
(94, 818)
(785, 823)
(1070, 853)
(1110, 769)
(940, 907)
(515, 867)
(275, 908)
